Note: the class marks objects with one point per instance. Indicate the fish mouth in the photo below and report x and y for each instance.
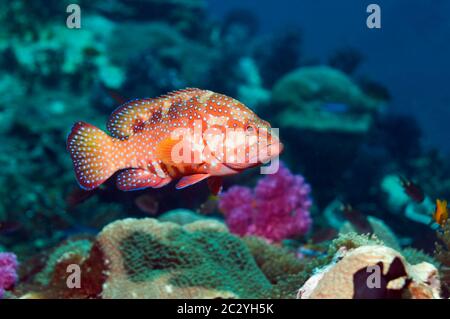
(264, 156)
(269, 152)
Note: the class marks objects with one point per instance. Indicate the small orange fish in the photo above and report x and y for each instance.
(190, 134)
(440, 215)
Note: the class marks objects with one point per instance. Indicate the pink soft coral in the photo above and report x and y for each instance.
(8, 271)
(277, 209)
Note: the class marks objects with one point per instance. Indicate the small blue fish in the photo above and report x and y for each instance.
(335, 107)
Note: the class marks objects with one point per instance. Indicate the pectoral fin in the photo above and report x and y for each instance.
(191, 180)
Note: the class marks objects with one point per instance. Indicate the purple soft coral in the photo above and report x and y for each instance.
(8, 271)
(277, 209)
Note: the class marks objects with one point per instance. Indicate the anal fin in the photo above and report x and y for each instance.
(190, 180)
(139, 178)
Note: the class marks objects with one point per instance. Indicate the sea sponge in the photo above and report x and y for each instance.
(350, 275)
(145, 258)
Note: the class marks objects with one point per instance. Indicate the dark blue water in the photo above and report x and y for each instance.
(410, 54)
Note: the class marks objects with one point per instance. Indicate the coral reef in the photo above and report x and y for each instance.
(333, 123)
(147, 258)
(277, 209)
(378, 229)
(8, 271)
(349, 277)
(323, 99)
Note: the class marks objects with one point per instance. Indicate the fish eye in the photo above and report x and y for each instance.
(250, 128)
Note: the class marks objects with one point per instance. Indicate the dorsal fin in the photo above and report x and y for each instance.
(130, 116)
(187, 92)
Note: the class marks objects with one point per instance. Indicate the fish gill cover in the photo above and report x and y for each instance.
(359, 173)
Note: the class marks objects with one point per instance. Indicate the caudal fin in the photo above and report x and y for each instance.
(92, 155)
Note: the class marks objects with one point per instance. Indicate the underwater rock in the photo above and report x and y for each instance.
(277, 209)
(323, 99)
(369, 272)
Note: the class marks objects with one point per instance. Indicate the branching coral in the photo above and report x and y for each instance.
(278, 207)
(8, 271)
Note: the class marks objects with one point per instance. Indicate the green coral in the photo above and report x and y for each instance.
(382, 234)
(351, 240)
(202, 255)
(285, 272)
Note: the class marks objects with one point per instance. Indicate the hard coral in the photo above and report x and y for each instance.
(278, 207)
(8, 271)
(350, 275)
(281, 267)
(323, 99)
(149, 259)
(442, 254)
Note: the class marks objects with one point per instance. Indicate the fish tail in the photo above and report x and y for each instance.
(92, 152)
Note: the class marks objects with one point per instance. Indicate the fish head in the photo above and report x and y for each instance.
(238, 139)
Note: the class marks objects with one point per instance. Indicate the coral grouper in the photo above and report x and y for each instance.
(190, 134)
